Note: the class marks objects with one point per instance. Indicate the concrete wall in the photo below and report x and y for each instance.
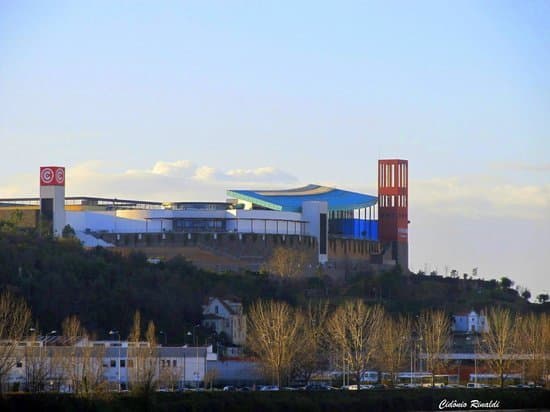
(348, 255)
(242, 250)
(240, 245)
(236, 372)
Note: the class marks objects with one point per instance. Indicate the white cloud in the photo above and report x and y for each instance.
(522, 166)
(261, 174)
(172, 168)
(472, 197)
(481, 197)
(178, 168)
(165, 181)
(204, 173)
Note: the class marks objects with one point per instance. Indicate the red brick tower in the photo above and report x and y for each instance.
(393, 206)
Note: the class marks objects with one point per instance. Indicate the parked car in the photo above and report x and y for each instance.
(473, 385)
(317, 387)
(269, 388)
(361, 387)
(244, 389)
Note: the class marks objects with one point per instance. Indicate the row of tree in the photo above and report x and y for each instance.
(518, 342)
(293, 343)
(72, 361)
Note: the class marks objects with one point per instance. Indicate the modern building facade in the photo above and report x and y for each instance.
(340, 222)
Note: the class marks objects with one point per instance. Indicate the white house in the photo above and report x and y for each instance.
(470, 323)
(226, 315)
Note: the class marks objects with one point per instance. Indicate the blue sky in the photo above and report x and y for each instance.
(182, 100)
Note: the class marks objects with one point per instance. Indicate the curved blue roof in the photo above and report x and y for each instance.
(291, 200)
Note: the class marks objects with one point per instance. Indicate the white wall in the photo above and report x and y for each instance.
(120, 221)
(136, 221)
(264, 226)
(310, 213)
(80, 221)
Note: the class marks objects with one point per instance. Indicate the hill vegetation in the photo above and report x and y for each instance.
(61, 278)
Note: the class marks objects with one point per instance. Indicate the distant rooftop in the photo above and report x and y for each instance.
(109, 203)
(291, 200)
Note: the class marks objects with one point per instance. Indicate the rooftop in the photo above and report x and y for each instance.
(291, 200)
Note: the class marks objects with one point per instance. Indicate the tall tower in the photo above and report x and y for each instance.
(52, 198)
(393, 206)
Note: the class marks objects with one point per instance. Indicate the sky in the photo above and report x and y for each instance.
(183, 100)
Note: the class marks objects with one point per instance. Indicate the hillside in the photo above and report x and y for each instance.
(59, 278)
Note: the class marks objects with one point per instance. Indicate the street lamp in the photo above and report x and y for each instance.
(50, 333)
(116, 332)
(165, 336)
(196, 373)
(411, 350)
(41, 365)
(184, 376)
(417, 364)
(476, 352)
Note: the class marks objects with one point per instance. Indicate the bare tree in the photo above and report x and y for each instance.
(500, 342)
(170, 375)
(93, 379)
(56, 358)
(355, 330)
(312, 352)
(535, 340)
(286, 262)
(434, 331)
(209, 378)
(393, 345)
(36, 364)
(143, 356)
(275, 335)
(73, 331)
(15, 319)
(83, 361)
(545, 338)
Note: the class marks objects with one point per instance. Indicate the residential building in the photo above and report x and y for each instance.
(470, 323)
(226, 316)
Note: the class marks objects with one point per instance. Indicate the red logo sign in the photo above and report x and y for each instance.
(52, 176)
